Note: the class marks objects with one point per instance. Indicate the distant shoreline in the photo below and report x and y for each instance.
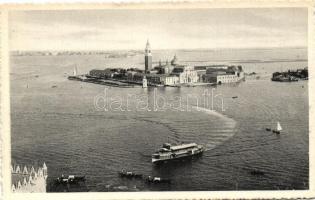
(185, 50)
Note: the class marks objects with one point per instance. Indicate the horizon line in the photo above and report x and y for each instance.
(137, 49)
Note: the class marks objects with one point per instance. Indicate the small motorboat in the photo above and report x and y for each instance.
(73, 178)
(157, 180)
(70, 179)
(257, 172)
(128, 174)
(268, 129)
(234, 97)
(54, 86)
(275, 131)
(61, 180)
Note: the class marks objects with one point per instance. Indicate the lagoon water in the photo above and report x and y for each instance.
(61, 125)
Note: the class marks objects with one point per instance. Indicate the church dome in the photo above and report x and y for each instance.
(174, 61)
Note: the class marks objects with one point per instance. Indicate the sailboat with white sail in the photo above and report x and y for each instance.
(75, 75)
(278, 128)
(75, 71)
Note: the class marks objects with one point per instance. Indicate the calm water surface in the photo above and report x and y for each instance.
(62, 127)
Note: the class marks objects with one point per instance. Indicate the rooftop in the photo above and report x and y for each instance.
(183, 146)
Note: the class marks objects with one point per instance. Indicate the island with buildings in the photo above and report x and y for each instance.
(290, 75)
(172, 74)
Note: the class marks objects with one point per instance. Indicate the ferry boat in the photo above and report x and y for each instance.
(171, 152)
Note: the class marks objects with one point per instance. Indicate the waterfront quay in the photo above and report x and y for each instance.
(171, 74)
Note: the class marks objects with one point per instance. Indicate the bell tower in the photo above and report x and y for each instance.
(147, 58)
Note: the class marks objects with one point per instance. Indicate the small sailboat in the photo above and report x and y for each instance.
(75, 71)
(75, 75)
(278, 129)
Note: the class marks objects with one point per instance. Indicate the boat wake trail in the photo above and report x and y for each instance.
(214, 113)
(218, 132)
(202, 126)
(208, 147)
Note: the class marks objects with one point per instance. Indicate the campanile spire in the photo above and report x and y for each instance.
(148, 57)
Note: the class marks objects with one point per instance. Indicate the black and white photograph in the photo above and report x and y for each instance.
(159, 100)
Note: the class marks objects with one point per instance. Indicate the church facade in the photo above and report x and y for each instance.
(171, 73)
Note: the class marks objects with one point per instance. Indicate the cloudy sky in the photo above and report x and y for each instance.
(166, 29)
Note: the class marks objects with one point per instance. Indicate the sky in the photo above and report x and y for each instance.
(115, 29)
